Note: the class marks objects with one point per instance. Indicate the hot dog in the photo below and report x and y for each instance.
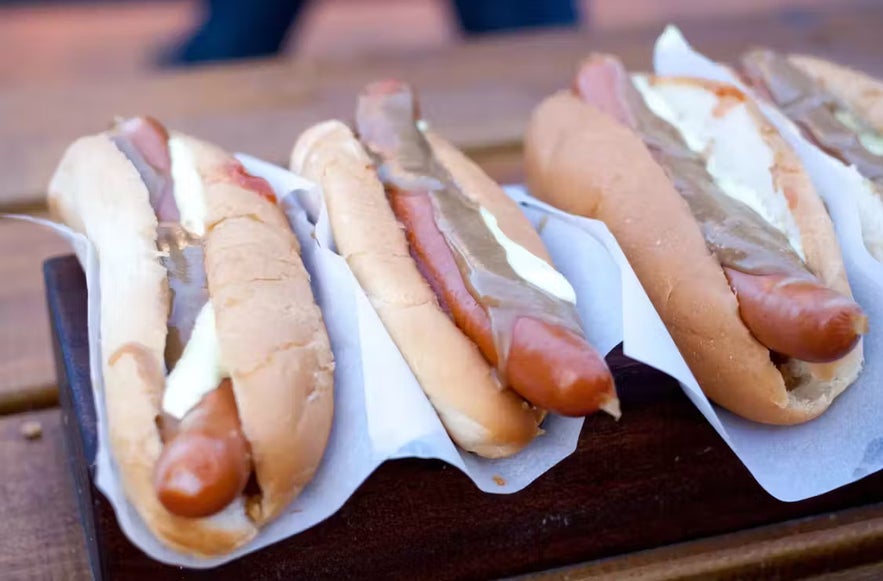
(537, 346)
(841, 111)
(216, 363)
(431, 239)
(205, 462)
(781, 302)
(721, 225)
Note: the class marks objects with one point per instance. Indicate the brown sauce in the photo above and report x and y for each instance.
(145, 142)
(406, 165)
(184, 259)
(737, 235)
(815, 110)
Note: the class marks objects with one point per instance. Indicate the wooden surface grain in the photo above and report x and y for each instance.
(789, 550)
(41, 533)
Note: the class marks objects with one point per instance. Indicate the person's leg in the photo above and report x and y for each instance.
(239, 29)
(479, 16)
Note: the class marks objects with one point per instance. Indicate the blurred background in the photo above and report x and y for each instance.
(50, 41)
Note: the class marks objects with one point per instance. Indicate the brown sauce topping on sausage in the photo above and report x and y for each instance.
(386, 122)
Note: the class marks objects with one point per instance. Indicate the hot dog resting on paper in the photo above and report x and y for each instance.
(456, 273)
(720, 223)
(217, 368)
(840, 110)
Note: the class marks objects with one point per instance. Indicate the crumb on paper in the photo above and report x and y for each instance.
(499, 480)
(31, 430)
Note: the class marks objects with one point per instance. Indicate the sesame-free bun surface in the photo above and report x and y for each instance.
(584, 162)
(271, 334)
(477, 412)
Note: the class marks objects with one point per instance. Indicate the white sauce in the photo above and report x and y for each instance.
(735, 152)
(529, 266)
(189, 192)
(199, 370)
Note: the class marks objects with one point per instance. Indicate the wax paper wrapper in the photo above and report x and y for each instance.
(845, 444)
(381, 412)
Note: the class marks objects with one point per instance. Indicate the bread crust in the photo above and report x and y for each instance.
(479, 415)
(97, 191)
(582, 161)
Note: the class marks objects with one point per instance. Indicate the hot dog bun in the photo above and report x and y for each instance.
(862, 95)
(270, 331)
(584, 162)
(479, 416)
(858, 91)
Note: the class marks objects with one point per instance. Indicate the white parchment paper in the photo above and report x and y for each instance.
(380, 411)
(846, 443)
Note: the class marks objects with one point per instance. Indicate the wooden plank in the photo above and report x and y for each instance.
(479, 94)
(27, 375)
(121, 39)
(867, 573)
(76, 40)
(789, 550)
(41, 535)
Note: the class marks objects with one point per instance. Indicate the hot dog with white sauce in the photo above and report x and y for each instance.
(217, 367)
(456, 273)
(721, 225)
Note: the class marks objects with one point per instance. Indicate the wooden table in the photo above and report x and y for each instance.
(478, 94)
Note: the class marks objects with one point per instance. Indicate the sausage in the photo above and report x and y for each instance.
(206, 461)
(558, 370)
(548, 366)
(786, 308)
(145, 142)
(797, 317)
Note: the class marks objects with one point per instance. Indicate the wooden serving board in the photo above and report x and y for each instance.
(660, 475)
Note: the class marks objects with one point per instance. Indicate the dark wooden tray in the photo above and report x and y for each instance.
(660, 475)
